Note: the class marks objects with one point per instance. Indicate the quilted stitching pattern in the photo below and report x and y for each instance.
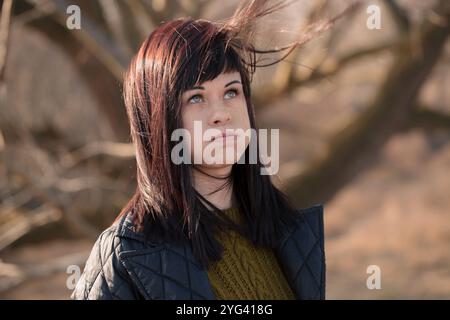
(302, 254)
(168, 273)
(123, 266)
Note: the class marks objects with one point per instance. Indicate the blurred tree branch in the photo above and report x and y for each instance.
(327, 69)
(427, 119)
(114, 149)
(331, 68)
(21, 224)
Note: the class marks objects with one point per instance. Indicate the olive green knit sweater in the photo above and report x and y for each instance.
(246, 271)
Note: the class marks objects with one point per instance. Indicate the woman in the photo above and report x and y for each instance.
(201, 229)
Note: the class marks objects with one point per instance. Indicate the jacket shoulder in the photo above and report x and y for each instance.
(104, 277)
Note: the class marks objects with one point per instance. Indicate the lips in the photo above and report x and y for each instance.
(223, 135)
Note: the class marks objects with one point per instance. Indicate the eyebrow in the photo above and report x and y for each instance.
(228, 84)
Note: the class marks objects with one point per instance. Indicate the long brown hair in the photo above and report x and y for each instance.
(176, 56)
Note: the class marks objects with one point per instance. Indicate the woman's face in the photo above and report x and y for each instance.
(219, 108)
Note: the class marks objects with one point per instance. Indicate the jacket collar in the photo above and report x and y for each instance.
(126, 229)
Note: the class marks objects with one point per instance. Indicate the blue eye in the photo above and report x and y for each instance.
(196, 96)
(234, 91)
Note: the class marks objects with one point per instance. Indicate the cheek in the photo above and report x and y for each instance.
(243, 117)
(187, 120)
(189, 117)
(189, 114)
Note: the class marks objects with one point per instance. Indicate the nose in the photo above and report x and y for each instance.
(220, 115)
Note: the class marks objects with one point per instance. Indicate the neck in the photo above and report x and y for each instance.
(206, 185)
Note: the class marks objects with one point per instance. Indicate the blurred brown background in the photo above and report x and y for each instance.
(364, 119)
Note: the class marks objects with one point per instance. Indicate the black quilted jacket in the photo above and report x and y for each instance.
(122, 265)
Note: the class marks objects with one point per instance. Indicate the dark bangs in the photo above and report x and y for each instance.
(205, 53)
